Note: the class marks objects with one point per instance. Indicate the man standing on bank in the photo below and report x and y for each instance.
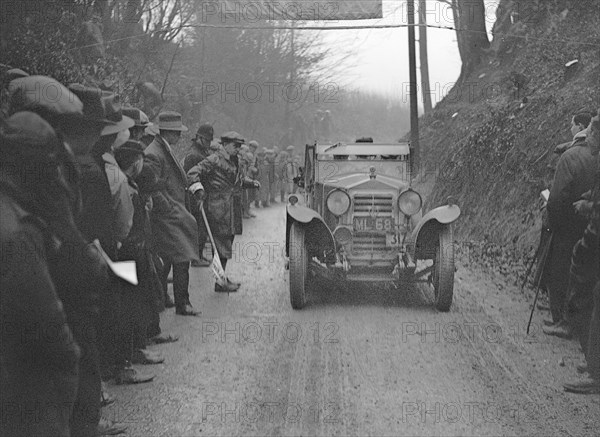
(218, 181)
(174, 227)
(200, 151)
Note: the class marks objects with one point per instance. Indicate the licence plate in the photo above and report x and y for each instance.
(373, 224)
(392, 240)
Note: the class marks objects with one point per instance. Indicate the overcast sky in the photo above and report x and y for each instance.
(382, 54)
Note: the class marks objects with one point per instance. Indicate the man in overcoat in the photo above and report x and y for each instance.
(583, 304)
(218, 181)
(174, 227)
(574, 176)
(199, 151)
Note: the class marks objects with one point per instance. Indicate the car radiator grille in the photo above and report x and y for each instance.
(366, 205)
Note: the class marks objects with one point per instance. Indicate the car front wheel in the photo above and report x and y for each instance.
(298, 260)
(443, 270)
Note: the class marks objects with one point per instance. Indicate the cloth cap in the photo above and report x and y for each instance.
(102, 106)
(26, 133)
(206, 131)
(290, 148)
(138, 116)
(46, 97)
(232, 137)
(253, 144)
(128, 153)
(171, 120)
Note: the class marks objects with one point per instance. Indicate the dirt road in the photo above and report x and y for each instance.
(357, 361)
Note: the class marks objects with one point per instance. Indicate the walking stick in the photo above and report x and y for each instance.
(216, 266)
(528, 272)
(542, 259)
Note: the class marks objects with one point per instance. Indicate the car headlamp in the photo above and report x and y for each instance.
(338, 202)
(410, 202)
(293, 199)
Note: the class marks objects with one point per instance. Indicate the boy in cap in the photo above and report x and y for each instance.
(174, 227)
(220, 180)
(200, 150)
(142, 299)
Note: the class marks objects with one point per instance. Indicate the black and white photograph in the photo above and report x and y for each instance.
(299, 218)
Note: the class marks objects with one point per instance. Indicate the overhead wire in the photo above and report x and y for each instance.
(377, 26)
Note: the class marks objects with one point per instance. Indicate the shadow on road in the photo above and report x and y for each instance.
(408, 295)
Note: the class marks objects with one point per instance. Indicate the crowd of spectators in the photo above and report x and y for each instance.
(88, 185)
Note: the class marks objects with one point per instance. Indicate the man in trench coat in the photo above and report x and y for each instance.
(200, 150)
(174, 227)
(218, 181)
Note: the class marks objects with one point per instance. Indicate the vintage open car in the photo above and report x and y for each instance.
(356, 218)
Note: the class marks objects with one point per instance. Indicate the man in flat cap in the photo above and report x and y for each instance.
(175, 229)
(218, 181)
(36, 219)
(200, 150)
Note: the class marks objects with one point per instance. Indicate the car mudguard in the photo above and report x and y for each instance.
(424, 238)
(318, 236)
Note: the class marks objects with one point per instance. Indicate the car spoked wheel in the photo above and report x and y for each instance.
(299, 275)
(443, 270)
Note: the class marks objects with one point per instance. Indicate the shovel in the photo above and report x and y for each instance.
(215, 265)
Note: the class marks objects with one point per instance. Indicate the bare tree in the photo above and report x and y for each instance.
(471, 34)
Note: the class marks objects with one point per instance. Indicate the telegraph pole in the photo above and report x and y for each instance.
(292, 78)
(414, 108)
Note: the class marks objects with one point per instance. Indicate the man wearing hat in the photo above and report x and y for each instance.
(108, 216)
(219, 179)
(200, 150)
(39, 359)
(174, 227)
(141, 122)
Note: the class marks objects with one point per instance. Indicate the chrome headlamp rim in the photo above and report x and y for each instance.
(403, 209)
(335, 192)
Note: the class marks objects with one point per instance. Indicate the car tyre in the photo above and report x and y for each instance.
(443, 270)
(298, 262)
